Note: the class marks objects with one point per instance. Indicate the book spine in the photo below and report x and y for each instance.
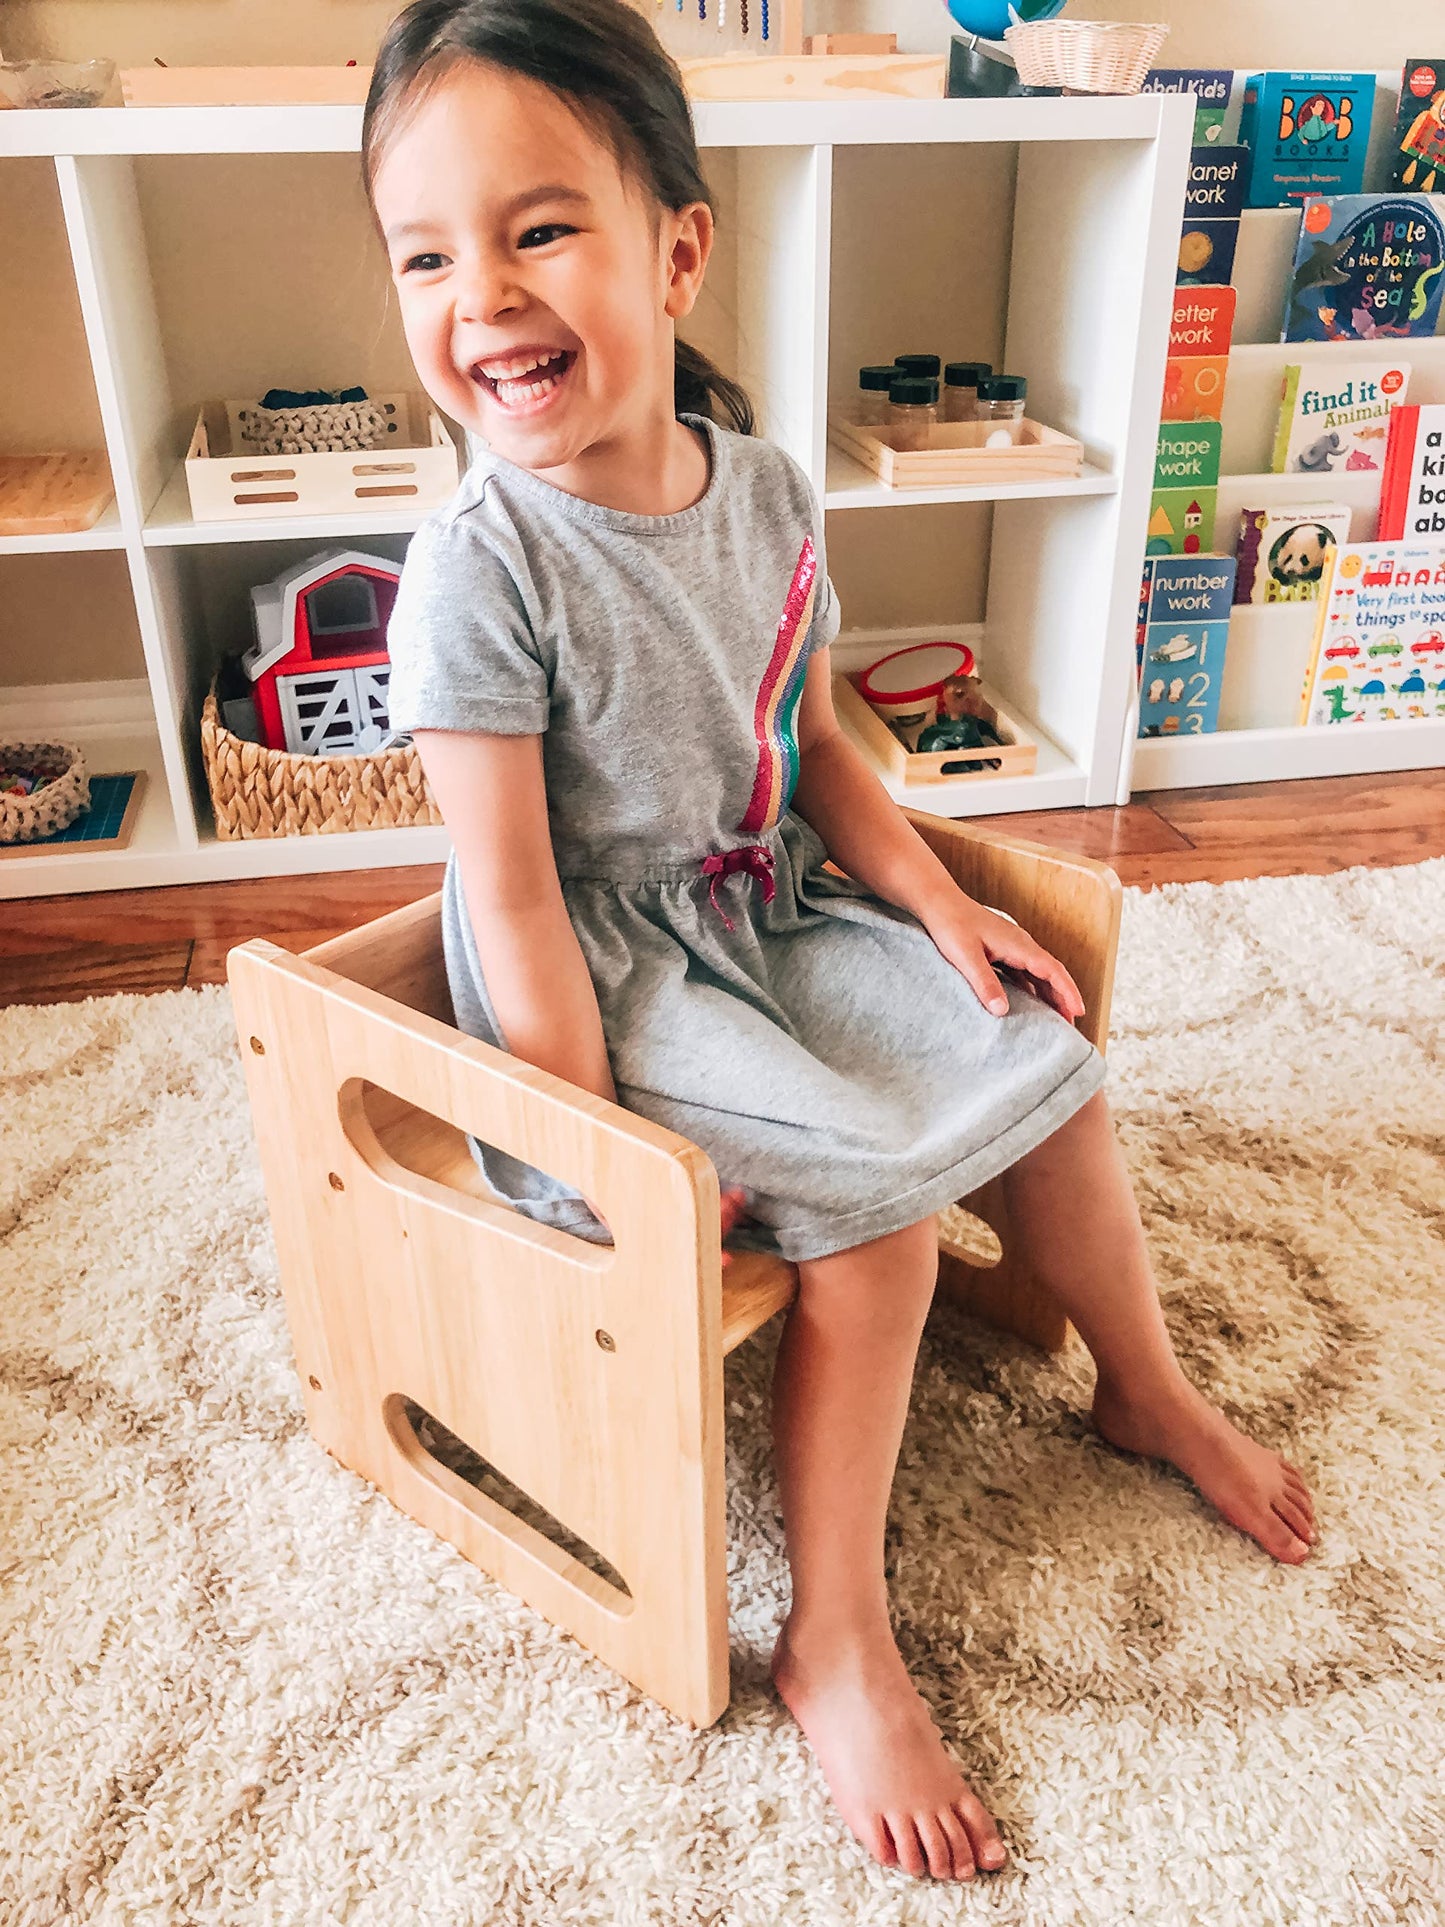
(1250, 525)
(1280, 459)
(1249, 112)
(1322, 622)
(1399, 466)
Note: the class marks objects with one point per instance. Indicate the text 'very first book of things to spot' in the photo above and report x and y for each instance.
(1334, 415)
(1379, 653)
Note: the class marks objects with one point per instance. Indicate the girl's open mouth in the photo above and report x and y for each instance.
(524, 383)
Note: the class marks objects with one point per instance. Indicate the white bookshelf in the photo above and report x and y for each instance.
(1058, 264)
(1259, 738)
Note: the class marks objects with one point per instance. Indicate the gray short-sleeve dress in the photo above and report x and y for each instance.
(809, 1037)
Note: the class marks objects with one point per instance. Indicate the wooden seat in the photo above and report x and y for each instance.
(589, 1377)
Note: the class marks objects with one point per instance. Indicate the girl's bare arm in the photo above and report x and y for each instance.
(491, 792)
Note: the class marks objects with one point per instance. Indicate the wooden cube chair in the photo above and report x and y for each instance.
(589, 1377)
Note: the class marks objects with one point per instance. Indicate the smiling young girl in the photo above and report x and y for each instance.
(612, 646)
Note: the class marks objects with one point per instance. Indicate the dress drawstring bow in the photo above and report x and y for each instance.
(755, 858)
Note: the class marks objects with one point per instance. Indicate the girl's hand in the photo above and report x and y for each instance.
(734, 1204)
(975, 939)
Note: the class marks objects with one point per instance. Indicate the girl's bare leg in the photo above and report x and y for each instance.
(840, 1395)
(1072, 1208)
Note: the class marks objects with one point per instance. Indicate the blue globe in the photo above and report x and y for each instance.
(988, 18)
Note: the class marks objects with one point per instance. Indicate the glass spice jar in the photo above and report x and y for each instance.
(1001, 408)
(870, 409)
(918, 365)
(960, 389)
(912, 410)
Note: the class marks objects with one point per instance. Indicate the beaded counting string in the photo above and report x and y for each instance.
(744, 22)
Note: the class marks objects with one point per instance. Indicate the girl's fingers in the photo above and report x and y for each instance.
(978, 971)
(1027, 956)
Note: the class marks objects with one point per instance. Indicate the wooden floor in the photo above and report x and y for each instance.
(61, 948)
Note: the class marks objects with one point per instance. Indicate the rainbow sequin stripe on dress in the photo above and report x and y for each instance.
(775, 716)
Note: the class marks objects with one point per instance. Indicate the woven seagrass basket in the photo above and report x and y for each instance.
(1085, 56)
(24, 819)
(257, 791)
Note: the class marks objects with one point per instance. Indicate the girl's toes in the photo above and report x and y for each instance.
(1286, 1509)
(952, 1823)
(936, 1846)
(989, 1851)
(1281, 1540)
(911, 1857)
(876, 1838)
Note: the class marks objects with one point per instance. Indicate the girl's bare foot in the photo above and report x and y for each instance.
(883, 1757)
(1256, 1490)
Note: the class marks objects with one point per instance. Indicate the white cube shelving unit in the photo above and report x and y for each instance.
(1038, 234)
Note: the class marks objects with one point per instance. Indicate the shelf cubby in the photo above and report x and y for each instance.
(215, 253)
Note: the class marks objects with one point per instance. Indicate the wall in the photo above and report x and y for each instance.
(1204, 33)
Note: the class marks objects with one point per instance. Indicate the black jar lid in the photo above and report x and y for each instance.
(914, 390)
(966, 374)
(1002, 387)
(878, 375)
(918, 364)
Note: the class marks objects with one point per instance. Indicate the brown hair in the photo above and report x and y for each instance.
(605, 61)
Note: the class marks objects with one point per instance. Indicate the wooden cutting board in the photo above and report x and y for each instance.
(52, 494)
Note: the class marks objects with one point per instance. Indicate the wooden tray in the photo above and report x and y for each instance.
(422, 470)
(52, 494)
(1017, 756)
(956, 456)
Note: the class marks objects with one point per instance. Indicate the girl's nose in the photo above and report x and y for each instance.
(488, 289)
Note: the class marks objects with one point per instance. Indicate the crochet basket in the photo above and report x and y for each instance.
(256, 791)
(1085, 56)
(25, 818)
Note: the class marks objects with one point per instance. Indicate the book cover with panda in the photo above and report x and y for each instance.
(1284, 554)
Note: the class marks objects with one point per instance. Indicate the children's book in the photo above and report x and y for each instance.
(1368, 267)
(1417, 151)
(1412, 496)
(1379, 654)
(1307, 135)
(1210, 87)
(1198, 363)
(1334, 415)
(1186, 488)
(1213, 200)
(1183, 634)
(1284, 554)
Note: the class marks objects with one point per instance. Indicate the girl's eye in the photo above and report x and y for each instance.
(541, 237)
(425, 262)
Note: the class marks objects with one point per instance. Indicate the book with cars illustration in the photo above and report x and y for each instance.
(1379, 651)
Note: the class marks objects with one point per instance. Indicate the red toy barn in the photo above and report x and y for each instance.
(319, 660)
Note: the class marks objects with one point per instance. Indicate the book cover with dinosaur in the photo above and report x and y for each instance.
(1334, 415)
(1368, 267)
(1417, 151)
(1307, 134)
(1379, 654)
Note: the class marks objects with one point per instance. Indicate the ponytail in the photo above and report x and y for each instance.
(700, 388)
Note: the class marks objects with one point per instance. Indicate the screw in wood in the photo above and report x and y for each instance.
(333, 1178)
(606, 1341)
(258, 1047)
(314, 1382)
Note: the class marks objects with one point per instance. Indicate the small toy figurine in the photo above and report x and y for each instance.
(964, 723)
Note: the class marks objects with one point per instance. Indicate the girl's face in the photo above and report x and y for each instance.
(538, 284)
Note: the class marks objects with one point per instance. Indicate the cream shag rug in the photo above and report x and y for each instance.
(238, 1686)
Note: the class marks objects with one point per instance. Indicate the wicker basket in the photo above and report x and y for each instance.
(257, 791)
(1085, 56)
(23, 819)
